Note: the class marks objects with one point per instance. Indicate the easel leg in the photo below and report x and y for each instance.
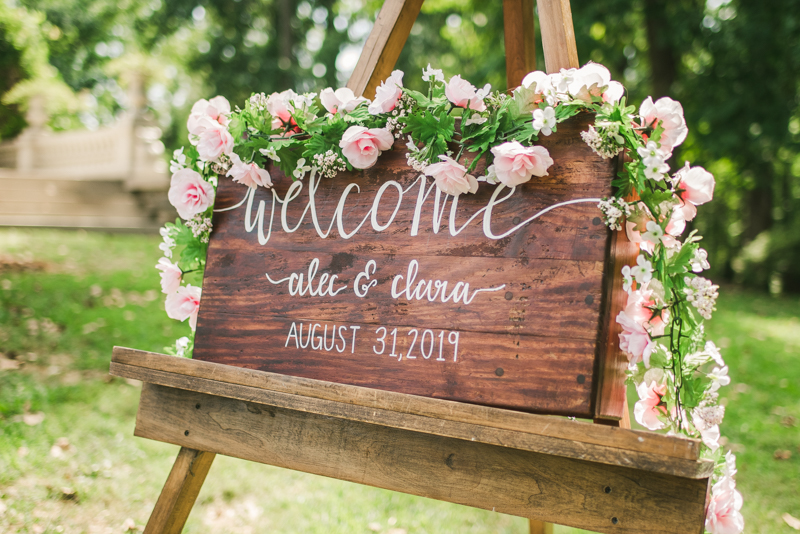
(179, 492)
(540, 527)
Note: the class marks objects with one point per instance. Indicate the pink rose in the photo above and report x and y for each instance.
(189, 193)
(464, 95)
(214, 141)
(647, 409)
(184, 304)
(451, 177)
(670, 113)
(170, 275)
(723, 514)
(640, 308)
(278, 105)
(362, 146)
(340, 101)
(695, 185)
(634, 340)
(514, 164)
(248, 174)
(387, 95)
(216, 109)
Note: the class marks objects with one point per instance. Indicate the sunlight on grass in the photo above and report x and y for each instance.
(68, 457)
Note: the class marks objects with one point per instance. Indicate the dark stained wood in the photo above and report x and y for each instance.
(520, 40)
(383, 46)
(529, 346)
(194, 375)
(180, 491)
(507, 480)
(558, 35)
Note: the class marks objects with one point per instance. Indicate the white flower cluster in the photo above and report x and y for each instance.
(654, 160)
(200, 227)
(168, 242)
(711, 415)
(329, 163)
(402, 109)
(700, 260)
(614, 209)
(604, 146)
(702, 294)
(258, 101)
(222, 165)
(413, 156)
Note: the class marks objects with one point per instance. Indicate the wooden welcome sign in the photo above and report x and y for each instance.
(378, 279)
(375, 330)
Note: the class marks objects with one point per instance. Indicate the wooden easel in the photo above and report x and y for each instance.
(603, 477)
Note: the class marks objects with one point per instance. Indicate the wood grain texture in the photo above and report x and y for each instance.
(512, 481)
(180, 491)
(540, 527)
(558, 35)
(383, 46)
(520, 40)
(529, 346)
(194, 375)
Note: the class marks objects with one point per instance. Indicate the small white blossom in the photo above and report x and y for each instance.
(643, 270)
(329, 164)
(258, 101)
(301, 169)
(181, 344)
(614, 209)
(713, 352)
(271, 152)
(602, 143)
(430, 75)
(654, 233)
(544, 120)
(729, 470)
(719, 377)
(200, 227)
(700, 261)
(475, 119)
(627, 279)
(168, 242)
(656, 172)
(480, 94)
(651, 155)
(178, 161)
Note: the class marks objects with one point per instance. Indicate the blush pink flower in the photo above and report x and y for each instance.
(214, 141)
(184, 304)
(280, 106)
(340, 101)
(189, 193)
(640, 307)
(695, 187)
(514, 163)
(634, 339)
(248, 174)
(647, 409)
(216, 109)
(171, 275)
(634, 233)
(362, 146)
(723, 515)
(451, 177)
(464, 95)
(387, 95)
(670, 113)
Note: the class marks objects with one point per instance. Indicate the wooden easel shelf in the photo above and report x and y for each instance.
(595, 477)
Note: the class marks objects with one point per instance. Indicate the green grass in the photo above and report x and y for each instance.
(67, 297)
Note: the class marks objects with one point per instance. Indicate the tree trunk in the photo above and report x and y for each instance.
(660, 50)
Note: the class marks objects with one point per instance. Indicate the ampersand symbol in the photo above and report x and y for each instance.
(361, 288)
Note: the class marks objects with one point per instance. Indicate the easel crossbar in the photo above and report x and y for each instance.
(536, 433)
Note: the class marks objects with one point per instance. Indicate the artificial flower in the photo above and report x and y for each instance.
(544, 120)
(362, 146)
(340, 101)
(723, 515)
(171, 275)
(464, 95)
(432, 75)
(451, 177)
(184, 304)
(189, 193)
(648, 409)
(670, 114)
(214, 141)
(248, 174)
(217, 109)
(515, 164)
(388, 94)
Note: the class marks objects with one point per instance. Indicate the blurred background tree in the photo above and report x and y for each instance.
(734, 65)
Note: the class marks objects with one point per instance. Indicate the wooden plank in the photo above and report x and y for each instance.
(383, 46)
(521, 440)
(540, 527)
(520, 40)
(527, 342)
(577, 493)
(558, 35)
(632, 440)
(180, 491)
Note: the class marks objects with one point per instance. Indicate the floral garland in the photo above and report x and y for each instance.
(676, 372)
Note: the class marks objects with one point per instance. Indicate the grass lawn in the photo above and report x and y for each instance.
(69, 461)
